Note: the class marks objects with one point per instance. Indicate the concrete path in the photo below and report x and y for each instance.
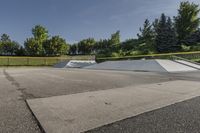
(84, 111)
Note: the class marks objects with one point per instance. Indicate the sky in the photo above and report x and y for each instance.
(75, 20)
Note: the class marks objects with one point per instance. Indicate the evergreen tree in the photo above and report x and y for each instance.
(165, 36)
(194, 38)
(187, 21)
(147, 37)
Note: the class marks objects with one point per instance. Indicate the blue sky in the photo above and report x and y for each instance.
(79, 19)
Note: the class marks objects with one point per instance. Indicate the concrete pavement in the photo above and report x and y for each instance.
(15, 117)
(84, 111)
(19, 84)
(40, 83)
(181, 117)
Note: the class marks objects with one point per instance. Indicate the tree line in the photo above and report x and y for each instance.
(38, 45)
(165, 34)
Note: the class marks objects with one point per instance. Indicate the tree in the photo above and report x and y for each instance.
(86, 46)
(11, 48)
(73, 49)
(55, 46)
(130, 46)
(115, 38)
(103, 46)
(147, 37)
(32, 47)
(40, 33)
(5, 38)
(165, 36)
(187, 21)
(21, 51)
(194, 38)
(7, 46)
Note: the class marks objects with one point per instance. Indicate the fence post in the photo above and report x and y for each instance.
(27, 61)
(8, 63)
(45, 61)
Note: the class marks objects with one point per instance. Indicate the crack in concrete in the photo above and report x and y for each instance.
(25, 95)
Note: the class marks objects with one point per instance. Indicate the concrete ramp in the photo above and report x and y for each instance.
(61, 64)
(85, 111)
(172, 66)
(131, 65)
(196, 66)
(75, 64)
(143, 65)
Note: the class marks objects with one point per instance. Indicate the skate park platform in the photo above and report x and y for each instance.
(81, 111)
(157, 65)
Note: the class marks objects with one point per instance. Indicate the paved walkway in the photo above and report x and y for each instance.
(84, 111)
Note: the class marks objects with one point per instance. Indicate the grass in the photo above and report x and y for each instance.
(38, 61)
(196, 60)
(50, 61)
(188, 55)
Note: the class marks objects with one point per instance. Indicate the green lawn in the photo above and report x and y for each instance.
(196, 60)
(38, 61)
(50, 61)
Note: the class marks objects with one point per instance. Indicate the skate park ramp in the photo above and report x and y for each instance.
(144, 65)
(61, 64)
(196, 66)
(75, 64)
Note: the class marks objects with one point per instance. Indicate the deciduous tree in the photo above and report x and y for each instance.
(55, 46)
